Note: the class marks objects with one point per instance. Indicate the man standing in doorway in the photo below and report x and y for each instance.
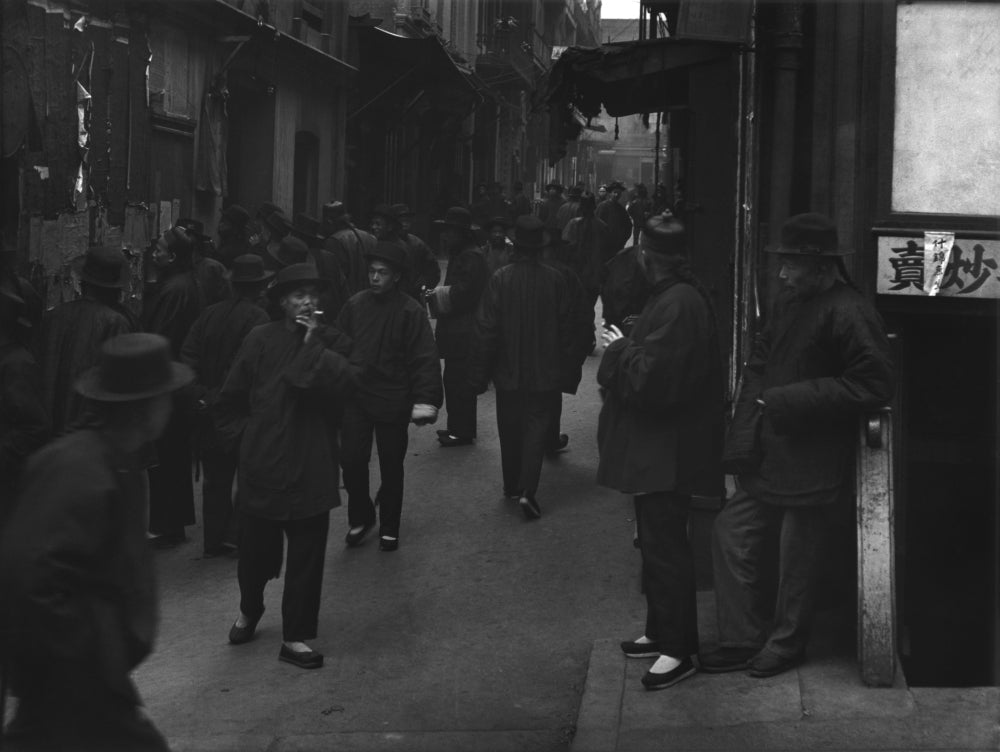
(822, 360)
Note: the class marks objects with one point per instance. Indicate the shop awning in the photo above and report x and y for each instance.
(394, 64)
(629, 77)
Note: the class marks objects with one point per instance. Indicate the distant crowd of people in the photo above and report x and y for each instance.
(279, 355)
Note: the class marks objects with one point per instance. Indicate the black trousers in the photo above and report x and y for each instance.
(356, 430)
(217, 515)
(460, 398)
(524, 422)
(668, 572)
(171, 488)
(739, 535)
(261, 554)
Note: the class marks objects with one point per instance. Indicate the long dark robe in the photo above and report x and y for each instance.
(72, 335)
(171, 311)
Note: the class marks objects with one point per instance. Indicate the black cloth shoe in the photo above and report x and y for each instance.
(640, 649)
(559, 446)
(239, 635)
(353, 539)
(766, 664)
(385, 543)
(530, 508)
(309, 659)
(669, 679)
(723, 659)
(451, 440)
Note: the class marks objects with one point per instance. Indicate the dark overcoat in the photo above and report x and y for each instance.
(822, 362)
(466, 280)
(660, 425)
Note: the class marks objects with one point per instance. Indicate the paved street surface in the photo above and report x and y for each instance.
(474, 635)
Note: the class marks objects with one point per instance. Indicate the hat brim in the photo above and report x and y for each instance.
(282, 288)
(89, 385)
(441, 224)
(247, 280)
(781, 251)
(399, 265)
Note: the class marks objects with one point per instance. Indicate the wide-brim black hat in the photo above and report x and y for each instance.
(497, 222)
(392, 253)
(457, 217)
(809, 234)
(133, 367)
(528, 234)
(248, 269)
(557, 186)
(293, 277)
(102, 266)
(291, 250)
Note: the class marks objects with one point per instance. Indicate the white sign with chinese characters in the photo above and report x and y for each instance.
(973, 270)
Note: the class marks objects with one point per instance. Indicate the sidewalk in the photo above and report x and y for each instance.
(821, 705)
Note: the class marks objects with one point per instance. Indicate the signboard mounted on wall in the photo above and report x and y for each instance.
(938, 264)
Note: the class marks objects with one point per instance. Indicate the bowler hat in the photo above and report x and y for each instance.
(554, 186)
(102, 267)
(291, 250)
(266, 209)
(247, 269)
(178, 241)
(391, 253)
(278, 223)
(334, 211)
(133, 367)
(663, 233)
(293, 277)
(192, 227)
(307, 228)
(457, 217)
(809, 234)
(236, 214)
(496, 222)
(402, 210)
(574, 191)
(615, 185)
(528, 233)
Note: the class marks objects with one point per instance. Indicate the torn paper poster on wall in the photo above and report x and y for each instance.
(937, 253)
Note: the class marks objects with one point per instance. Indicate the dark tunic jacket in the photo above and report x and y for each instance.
(172, 308)
(466, 279)
(523, 335)
(660, 425)
(393, 348)
(590, 244)
(210, 349)
(279, 406)
(350, 245)
(78, 588)
(72, 335)
(616, 217)
(24, 424)
(581, 326)
(424, 270)
(824, 361)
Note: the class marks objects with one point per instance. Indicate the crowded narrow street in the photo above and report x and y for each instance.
(475, 634)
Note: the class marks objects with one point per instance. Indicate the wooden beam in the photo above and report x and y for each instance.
(876, 551)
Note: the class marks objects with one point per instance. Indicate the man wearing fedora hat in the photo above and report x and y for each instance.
(348, 244)
(24, 424)
(821, 359)
(615, 216)
(169, 310)
(210, 349)
(424, 271)
(72, 333)
(279, 408)
(77, 584)
(455, 303)
(400, 383)
(658, 436)
(523, 341)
